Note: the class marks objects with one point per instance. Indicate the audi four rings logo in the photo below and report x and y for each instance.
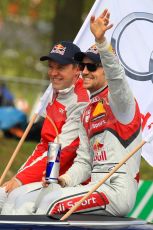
(115, 41)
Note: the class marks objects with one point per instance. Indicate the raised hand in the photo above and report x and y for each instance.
(100, 25)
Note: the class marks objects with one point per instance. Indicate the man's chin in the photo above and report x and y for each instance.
(87, 86)
(57, 87)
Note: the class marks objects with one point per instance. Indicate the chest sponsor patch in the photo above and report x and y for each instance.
(99, 110)
(99, 152)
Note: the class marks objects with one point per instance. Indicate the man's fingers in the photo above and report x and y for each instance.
(62, 182)
(3, 185)
(92, 19)
(108, 15)
(10, 189)
(103, 13)
(110, 26)
(44, 182)
(43, 179)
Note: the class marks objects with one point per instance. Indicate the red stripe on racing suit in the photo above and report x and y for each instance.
(96, 201)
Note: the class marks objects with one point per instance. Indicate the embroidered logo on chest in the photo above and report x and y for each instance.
(87, 115)
(99, 152)
(98, 110)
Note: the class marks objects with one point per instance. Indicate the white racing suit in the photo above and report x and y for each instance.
(110, 129)
(65, 111)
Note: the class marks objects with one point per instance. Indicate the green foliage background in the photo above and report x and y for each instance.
(26, 28)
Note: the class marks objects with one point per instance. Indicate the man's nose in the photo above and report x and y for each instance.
(85, 71)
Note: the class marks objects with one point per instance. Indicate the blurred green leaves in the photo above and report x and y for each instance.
(26, 33)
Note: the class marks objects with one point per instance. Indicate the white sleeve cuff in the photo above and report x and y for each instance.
(102, 46)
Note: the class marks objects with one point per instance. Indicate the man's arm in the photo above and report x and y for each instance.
(32, 170)
(69, 136)
(120, 96)
(82, 166)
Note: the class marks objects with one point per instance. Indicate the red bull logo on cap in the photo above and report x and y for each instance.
(93, 49)
(59, 49)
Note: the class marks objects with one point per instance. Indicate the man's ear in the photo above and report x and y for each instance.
(78, 72)
(103, 71)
